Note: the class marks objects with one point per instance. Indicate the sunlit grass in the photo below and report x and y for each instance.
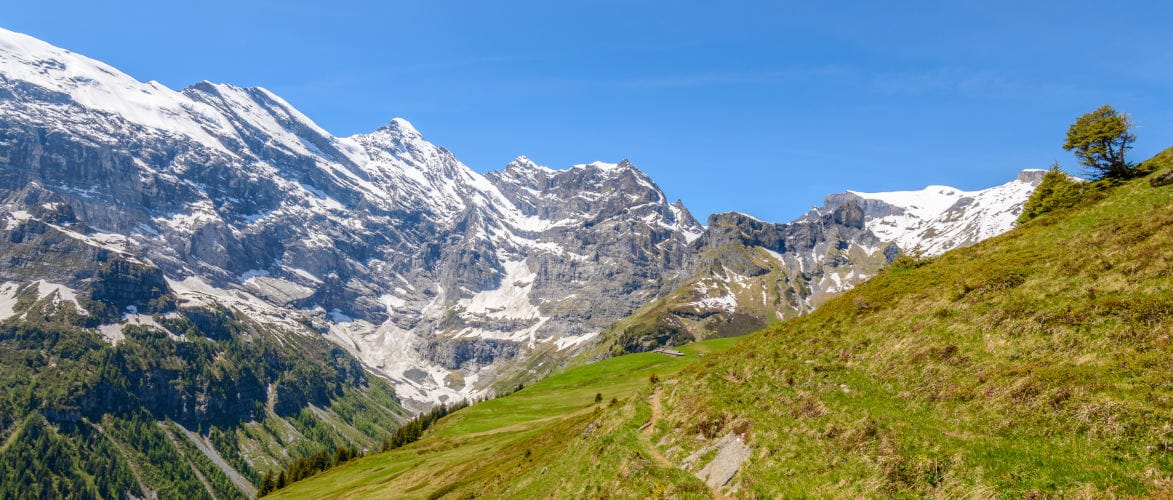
(486, 444)
(1037, 361)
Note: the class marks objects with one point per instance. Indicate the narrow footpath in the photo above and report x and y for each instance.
(646, 435)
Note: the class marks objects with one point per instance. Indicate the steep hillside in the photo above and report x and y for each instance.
(1033, 363)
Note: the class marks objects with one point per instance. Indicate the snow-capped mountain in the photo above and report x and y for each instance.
(937, 219)
(433, 275)
(443, 280)
(749, 273)
(221, 258)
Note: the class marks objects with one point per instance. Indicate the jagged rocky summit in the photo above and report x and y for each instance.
(748, 273)
(447, 282)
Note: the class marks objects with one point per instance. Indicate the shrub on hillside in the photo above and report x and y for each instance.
(907, 262)
(1056, 191)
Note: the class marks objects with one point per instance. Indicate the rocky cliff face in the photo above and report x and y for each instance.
(606, 239)
(431, 274)
(749, 273)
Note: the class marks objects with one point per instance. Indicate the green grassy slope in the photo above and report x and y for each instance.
(529, 442)
(1039, 361)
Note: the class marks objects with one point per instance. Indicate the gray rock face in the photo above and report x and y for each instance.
(732, 452)
(871, 208)
(1162, 179)
(383, 242)
(804, 245)
(471, 353)
(621, 243)
(747, 273)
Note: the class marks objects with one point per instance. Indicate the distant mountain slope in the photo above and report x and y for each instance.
(195, 403)
(749, 273)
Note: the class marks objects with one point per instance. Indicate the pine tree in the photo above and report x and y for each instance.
(1057, 190)
(266, 484)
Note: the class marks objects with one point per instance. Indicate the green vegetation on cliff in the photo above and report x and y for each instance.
(199, 403)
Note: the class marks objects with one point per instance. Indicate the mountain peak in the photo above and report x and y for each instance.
(938, 218)
(401, 127)
(97, 86)
(609, 168)
(524, 163)
(1031, 175)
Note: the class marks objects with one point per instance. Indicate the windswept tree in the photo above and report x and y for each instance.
(1100, 139)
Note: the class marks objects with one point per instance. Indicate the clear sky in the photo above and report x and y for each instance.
(759, 107)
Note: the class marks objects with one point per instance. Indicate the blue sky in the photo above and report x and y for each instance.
(759, 107)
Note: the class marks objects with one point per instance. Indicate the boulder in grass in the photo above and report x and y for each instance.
(1162, 179)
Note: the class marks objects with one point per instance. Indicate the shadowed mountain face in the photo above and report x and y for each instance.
(438, 278)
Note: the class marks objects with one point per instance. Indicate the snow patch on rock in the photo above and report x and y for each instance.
(509, 300)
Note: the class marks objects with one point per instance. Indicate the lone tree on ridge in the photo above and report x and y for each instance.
(1100, 138)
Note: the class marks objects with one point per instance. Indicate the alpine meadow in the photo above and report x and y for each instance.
(1033, 363)
(620, 250)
